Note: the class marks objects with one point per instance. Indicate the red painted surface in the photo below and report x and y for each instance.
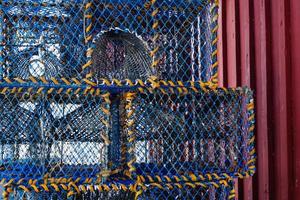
(245, 71)
(279, 123)
(259, 45)
(295, 93)
(295, 89)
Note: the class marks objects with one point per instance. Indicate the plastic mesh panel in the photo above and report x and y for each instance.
(198, 133)
(171, 40)
(113, 99)
(42, 38)
(52, 136)
(180, 33)
(96, 195)
(75, 137)
(209, 192)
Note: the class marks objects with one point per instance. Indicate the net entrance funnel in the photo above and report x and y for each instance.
(121, 55)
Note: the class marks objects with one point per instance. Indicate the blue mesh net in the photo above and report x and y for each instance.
(203, 191)
(51, 135)
(194, 133)
(148, 135)
(189, 191)
(117, 99)
(41, 39)
(53, 195)
(174, 40)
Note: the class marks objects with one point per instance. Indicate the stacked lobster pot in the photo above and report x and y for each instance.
(118, 99)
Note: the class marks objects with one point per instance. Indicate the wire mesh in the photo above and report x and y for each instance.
(192, 191)
(174, 40)
(52, 136)
(70, 129)
(63, 195)
(222, 190)
(42, 38)
(202, 133)
(62, 136)
(121, 55)
(20, 194)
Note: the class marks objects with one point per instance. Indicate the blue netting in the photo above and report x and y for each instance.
(204, 191)
(174, 40)
(63, 195)
(153, 135)
(192, 192)
(105, 99)
(57, 136)
(42, 40)
(196, 133)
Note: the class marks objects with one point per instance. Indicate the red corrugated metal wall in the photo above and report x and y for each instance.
(258, 47)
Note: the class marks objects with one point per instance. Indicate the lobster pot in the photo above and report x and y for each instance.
(174, 40)
(42, 38)
(195, 133)
(19, 194)
(199, 191)
(45, 136)
(169, 39)
(63, 195)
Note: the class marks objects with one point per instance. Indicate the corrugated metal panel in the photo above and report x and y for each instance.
(258, 48)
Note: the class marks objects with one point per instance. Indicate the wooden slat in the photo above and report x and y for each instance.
(258, 47)
(245, 64)
(221, 43)
(261, 46)
(231, 42)
(295, 92)
(231, 51)
(279, 92)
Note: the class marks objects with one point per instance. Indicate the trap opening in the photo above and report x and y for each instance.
(120, 55)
